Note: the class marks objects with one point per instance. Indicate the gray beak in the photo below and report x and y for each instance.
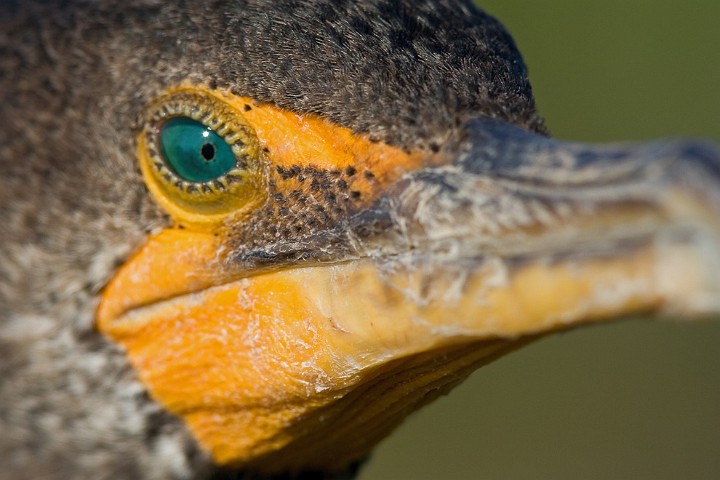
(544, 234)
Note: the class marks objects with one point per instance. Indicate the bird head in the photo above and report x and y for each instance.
(291, 224)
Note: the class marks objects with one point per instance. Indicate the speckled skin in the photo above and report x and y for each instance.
(74, 77)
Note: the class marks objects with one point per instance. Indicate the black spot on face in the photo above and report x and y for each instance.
(302, 201)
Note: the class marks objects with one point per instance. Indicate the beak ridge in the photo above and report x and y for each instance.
(521, 200)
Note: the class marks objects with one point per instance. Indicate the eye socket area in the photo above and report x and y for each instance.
(199, 157)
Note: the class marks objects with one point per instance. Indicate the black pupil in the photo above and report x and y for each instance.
(208, 151)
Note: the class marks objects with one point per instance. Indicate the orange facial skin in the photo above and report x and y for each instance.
(196, 361)
(292, 145)
(295, 147)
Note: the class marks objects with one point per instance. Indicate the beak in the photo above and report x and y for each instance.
(525, 234)
(502, 237)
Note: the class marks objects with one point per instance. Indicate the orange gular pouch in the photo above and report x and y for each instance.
(308, 368)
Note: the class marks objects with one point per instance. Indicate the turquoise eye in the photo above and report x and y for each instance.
(193, 151)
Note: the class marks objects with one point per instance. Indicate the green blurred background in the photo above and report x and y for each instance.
(638, 400)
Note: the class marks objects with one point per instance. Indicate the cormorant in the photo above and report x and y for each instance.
(253, 236)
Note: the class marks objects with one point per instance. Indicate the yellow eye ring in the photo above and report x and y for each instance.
(200, 159)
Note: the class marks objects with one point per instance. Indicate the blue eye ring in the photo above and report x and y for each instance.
(199, 156)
